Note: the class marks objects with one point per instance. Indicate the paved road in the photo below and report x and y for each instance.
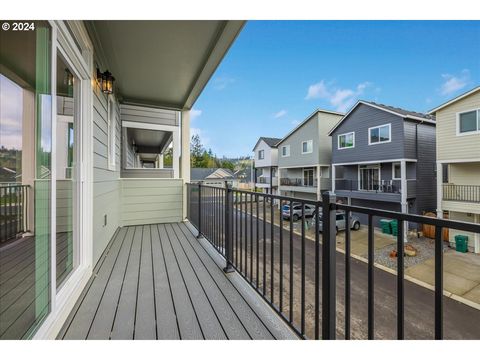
(460, 321)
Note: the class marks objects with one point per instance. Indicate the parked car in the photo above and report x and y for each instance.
(297, 211)
(341, 223)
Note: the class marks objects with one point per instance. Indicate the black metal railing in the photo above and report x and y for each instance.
(383, 186)
(298, 182)
(296, 277)
(13, 211)
(467, 193)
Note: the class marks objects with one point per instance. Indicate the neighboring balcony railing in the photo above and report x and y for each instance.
(298, 182)
(384, 186)
(467, 193)
(250, 234)
(13, 211)
(267, 180)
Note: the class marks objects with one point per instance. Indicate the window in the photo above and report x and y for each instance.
(112, 132)
(286, 150)
(307, 177)
(469, 122)
(307, 146)
(369, 177)
(397, 171)
(379, 134)
(346, 141)
(261, 154)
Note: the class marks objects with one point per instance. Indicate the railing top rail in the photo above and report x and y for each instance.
(14, 185)
(421, 219)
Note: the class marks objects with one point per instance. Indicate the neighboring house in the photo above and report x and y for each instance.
(304, 156)
(266, 165)
(384, 157)
(213, 176)
(458, 159)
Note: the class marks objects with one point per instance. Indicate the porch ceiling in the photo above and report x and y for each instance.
(162, 63)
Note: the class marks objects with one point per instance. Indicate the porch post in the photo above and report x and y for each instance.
(439, 189)
(332, 174)
(319, 190)
(404, 204)
(185, 155)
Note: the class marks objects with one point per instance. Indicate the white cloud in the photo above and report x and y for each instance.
(453, 83)
(194, 113)
(205, 140)
(280, 114)
(340, 99)
(222, 82)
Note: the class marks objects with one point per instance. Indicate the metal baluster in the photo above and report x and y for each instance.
(251, 237)
(258, 240)
(264, 247)
(291, 264)
(272, 251)
(302, 301)
(328, 266)
(228, 229)
(280, 290)
(400, 282)
(246, 236)
(317, 272)
(438, 283)
(371, 300)
(347, 274)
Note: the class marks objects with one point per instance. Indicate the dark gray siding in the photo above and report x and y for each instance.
(359, 120)
(390, 206)
(426, 176)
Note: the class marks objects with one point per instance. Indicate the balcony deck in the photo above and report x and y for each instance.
(160, 282)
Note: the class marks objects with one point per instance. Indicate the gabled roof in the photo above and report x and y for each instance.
(455, 99)
(271, 142)
(306, 120)
(406, 114)
(210, 173)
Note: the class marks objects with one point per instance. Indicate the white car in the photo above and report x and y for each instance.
(297, 211)
(341, 223)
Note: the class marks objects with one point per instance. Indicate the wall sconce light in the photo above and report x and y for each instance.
(68, 78)
(105, 80)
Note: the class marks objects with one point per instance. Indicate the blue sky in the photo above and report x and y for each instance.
(279, 72)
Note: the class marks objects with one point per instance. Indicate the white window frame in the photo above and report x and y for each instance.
(261, 154)
(393, 170)
(308, 142)
(287, 152)
(346, 147)
(468, 132)
(378, 127)
(112, 120)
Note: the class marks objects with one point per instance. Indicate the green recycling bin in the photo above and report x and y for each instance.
(385, 225)
(394, 225)
(461, 243)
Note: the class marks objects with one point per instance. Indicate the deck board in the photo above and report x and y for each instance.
(159, 282)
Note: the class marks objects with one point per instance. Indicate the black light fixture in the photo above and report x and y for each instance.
(105, 80)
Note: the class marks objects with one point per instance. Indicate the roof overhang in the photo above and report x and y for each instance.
(162, 63)
(454, 100)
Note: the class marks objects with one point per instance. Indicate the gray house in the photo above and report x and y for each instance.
(266, 164)
(304, 156)
(384, 157)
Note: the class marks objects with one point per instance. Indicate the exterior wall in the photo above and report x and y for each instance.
(389, 206)
(106, 186)
(315, 129)
(473, 239)
(148, 173)
(270, 155)
(149, 115)
(359, 120)
(464, 173)
(151, 201)
(298, 194)
(449, 145)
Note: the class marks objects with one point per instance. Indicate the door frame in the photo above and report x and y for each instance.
(81, 62)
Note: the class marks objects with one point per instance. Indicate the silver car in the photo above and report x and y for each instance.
(341, 223)
(297, 211)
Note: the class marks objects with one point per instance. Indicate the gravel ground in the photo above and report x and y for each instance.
(425, 250)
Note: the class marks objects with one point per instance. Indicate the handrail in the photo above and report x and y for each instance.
(14, 204)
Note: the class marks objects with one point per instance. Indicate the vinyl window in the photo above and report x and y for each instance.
(286, 150)
(380, 134)
(396, 171)
(346, 141)
(307, 146)
(469, 122)
(261, 154)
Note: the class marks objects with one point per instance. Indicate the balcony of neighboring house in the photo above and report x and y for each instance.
(266, 181)
(460, 188)
(380, 181)
(307, 179)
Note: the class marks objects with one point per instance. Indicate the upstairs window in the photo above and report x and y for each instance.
(397, 171)
(469, 122)
(379, 134)
(346, 141)
(307, 146)
(261, 154)
(286, 150)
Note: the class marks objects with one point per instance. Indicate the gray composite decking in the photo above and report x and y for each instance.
(160, 282)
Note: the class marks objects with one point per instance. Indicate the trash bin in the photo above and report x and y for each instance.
(385, 225)
(461, 243)
(394, 225)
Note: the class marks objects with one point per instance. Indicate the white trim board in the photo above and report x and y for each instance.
(457, 161)
(302, 166)
(374, 162)
(454, 100)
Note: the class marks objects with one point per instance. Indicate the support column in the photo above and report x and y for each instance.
(439, 189)
(160, 161)
(185, 155)
(332, 174)
(319, 188)
(404, 203)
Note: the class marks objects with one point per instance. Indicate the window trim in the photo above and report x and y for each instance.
(378, 127)
(262, 152)
(346, 147)
(287, 153)
(468, 132)
(112, 120)
(393, 170)
(311, 147)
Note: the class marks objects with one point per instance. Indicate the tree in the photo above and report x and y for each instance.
(196, 152)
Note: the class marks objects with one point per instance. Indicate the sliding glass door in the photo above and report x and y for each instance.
(25, 179)
(369, 177)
